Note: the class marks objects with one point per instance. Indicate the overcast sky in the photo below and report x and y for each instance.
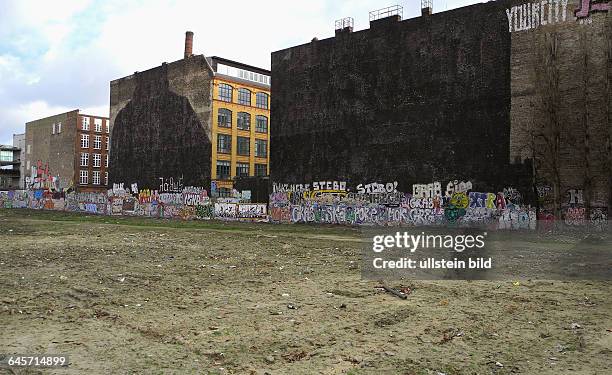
(58, 55)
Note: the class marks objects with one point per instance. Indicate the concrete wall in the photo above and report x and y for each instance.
(161, 125)
(57, 151)
(415, 101)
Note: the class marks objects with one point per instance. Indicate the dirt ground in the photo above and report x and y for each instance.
(121, 295)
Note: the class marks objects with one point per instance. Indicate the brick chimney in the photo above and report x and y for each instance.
(426, 8)
(188, 44)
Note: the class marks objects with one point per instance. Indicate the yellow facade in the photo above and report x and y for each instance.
(234, 132)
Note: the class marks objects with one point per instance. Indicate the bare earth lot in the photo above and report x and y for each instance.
(158, 297)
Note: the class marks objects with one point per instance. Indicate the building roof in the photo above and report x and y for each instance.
(240, 65)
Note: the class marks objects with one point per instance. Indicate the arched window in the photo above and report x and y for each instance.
(261, 124)
(244, 96)
(261, 100)
(225, 92)
(244, 121)
(224, 118)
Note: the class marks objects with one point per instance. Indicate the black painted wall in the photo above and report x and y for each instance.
(158, 133)
(416, 101)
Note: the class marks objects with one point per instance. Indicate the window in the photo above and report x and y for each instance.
(244, 96)
(6, 155)
(225, 92)
(53, 129)
(243, 145)
(84, 159)
(244, 121)
(261, 148)
(85, 124)
(98, 125)
(97, 160)
(106, 163)
(261, 170)
(224, 118)
(59, 127)
(261, 124)
(96, 177)
(107, 143)
(242, 169)
(29, 149)
(261, 100)
(84, 178)
(223, 170)
(84, 141)
(106, 178)
(224, 143)
(97, 142)
(107, 126)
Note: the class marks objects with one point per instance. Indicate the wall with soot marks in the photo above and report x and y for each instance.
(161, 121)
(419, 100)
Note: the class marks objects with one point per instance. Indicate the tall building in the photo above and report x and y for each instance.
(508, 93)
(67, 151)
(9, 167)
(191, 122)
(19, 142)
(241, 122)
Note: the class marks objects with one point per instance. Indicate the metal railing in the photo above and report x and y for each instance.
(394, 10)
(344, 23)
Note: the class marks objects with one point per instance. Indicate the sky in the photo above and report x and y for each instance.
(60, 55)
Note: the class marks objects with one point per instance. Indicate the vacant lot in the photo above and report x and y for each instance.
(153, 296)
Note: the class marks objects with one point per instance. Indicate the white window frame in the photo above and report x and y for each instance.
(97, 160)
(85, 124)
(84, 140)
(53, 129)
(59, 127)
(98, 125)
(108, 126)
(95, 178)
(106, 178)
(106, 164)
(84, 159)
(107, 143)
(97, 144)
(84, 177)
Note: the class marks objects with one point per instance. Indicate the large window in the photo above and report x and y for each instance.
(224, 143)
(225, 92)
(261, 170)
(261, 100)
(261, 148)
(244, 121)
(261, 124)
(242, 169)
(244, 96)
(97, 160)
(6, 155)
(96, 177)
(106, 164)
(84, 141)
(223, 170)
(98, 125)
(84, 178)
(84, 159)
(224, 118)
(107, 126)
(243, 146)
(85, 124)
(107, 143)
(97, 142)
(106, 178)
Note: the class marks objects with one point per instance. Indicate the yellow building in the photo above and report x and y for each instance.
(241, 122)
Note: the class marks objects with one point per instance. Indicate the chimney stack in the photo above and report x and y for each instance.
(188, 44)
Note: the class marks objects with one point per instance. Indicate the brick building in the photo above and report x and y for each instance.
(192, 122)
(67, 151)
(476, 93)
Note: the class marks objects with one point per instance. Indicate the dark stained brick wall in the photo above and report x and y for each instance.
(416, 101)
(161, 125)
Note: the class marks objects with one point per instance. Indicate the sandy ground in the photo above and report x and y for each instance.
(156, 297)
